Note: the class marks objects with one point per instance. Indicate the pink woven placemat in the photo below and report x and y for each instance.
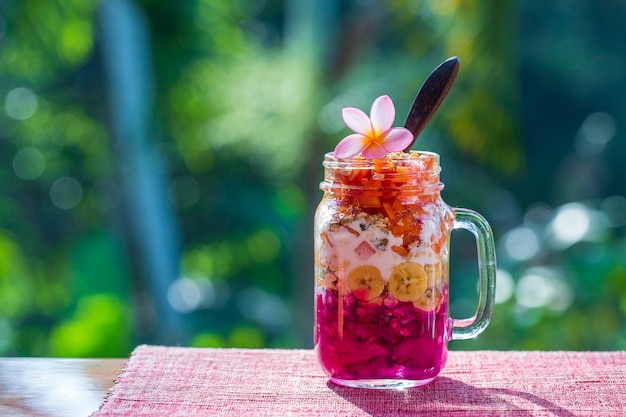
(173, 381)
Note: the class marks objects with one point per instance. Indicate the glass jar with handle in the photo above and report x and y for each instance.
(382, 244)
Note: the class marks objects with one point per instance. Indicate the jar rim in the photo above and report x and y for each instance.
(422, 175)
(413, 157)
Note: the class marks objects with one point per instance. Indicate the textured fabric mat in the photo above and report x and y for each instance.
(173, 381)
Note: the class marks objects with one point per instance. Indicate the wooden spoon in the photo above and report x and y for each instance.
(430, 96)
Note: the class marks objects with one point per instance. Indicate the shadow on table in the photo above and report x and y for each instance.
(447, 395)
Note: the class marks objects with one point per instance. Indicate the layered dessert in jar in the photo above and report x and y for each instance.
(381, 259)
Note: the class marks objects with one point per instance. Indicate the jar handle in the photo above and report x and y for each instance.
(476, 224)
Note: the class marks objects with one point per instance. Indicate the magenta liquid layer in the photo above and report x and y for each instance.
(390, 340)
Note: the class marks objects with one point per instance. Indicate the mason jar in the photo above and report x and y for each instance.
(382, 251)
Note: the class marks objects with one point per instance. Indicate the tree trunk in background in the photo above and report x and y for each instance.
(151, 225)
(311, 32)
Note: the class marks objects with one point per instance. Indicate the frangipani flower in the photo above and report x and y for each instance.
(374, 137)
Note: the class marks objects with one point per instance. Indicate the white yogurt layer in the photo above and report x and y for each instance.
(361, 243)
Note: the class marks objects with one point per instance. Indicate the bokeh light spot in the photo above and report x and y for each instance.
(186, 294)
(291, 202)
(208, 340)
(444, 7)
(543, 287)
(504, 286)
(614, 210)
(198, 262)
(267, 309)
(532, 291)
(522, 243)
(570, 224)
(20, 103)
(76, 41)
(246, 337)
(538, 215)
(264, 246)
(29, 163)
(596, 131)
(329, 118)
(97, 327)
(66, 193)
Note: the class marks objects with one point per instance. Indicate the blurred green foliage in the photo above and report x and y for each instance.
(248, 97)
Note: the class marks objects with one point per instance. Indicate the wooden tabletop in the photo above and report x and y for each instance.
(46, 387)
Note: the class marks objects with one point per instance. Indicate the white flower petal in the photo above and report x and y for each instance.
(397, 139)
(350, 146)
(356, 120)
(382, 114)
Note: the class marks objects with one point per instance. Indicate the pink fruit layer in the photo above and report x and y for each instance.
(389, 339)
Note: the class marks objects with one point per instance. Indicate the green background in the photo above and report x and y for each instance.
(160, 163)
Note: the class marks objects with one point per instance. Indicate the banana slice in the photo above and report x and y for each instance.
(365, 282)
(434, 271)
(430, 300)
(407, 282)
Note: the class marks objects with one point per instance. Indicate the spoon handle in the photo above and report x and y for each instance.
(430, 95)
